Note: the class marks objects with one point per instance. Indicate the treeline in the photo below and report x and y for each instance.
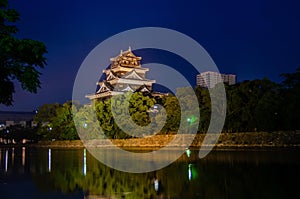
(263, 105)
(256, 105)
(55, 121)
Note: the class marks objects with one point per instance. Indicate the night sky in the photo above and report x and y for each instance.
(252, 39)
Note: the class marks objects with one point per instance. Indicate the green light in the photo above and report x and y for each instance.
(191, 120)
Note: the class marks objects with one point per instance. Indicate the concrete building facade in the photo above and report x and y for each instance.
(209, 79)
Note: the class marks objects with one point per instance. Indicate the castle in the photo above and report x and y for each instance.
(125, 74)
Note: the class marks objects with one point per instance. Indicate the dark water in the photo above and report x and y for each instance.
(74, 173)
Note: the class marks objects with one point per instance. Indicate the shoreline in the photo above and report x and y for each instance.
(239, 141)
(54, 145)
(63, 145)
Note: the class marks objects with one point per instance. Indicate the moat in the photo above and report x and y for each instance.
(75, 173)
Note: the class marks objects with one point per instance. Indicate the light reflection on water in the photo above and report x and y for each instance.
(23, 156)
(84, 162)
(6, 160)
(49, 160)
(74, 173)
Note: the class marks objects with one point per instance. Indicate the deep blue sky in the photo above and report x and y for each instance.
(252, 39)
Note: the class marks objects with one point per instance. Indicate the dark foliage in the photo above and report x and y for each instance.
(19, 58)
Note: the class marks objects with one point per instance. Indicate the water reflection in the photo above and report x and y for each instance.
(13, 156)
(220, 175)
(84, 162)
(6, 160)
(190, 172)
(49, 160)
(23, 156)
(156, 185)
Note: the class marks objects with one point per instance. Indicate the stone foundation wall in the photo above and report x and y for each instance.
(250, 139)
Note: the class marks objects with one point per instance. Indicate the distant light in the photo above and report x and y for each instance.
(188, 152)
(191, 120)
(156, 185)
(50, 128)
(85, 125)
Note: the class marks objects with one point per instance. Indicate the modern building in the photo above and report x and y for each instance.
(10, 118)
(229, 79)
(125, 74)
(209, 79)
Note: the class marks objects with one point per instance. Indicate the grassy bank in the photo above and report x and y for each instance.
(226, 140)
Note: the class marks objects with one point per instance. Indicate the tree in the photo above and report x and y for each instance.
(172, 107)
(124, 116)
(253, 106)
(267, 111)
(86, 122)
(291, 100)
(205, 108)
(105, 118)
(19, 58)
(63, 123)
(56, 122)
(45, 118)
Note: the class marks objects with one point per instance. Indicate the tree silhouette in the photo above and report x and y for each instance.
(19, 58)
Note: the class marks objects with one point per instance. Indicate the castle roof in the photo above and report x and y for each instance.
(104, 87)
(125, 74)
(126, 59)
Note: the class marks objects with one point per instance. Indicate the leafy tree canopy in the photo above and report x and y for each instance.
(19, 58)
